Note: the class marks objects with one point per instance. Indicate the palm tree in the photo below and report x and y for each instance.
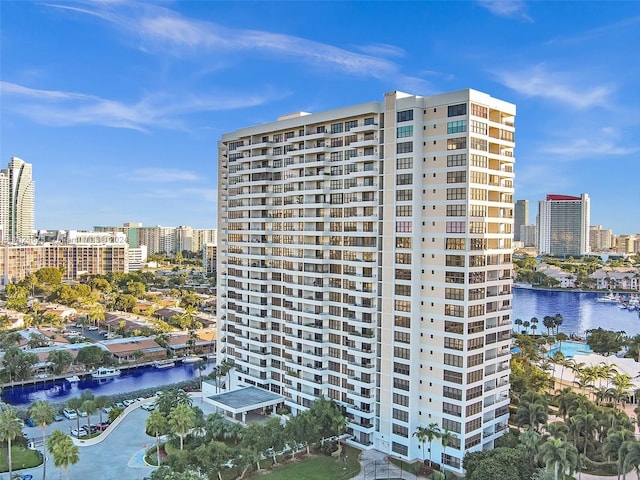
(89, 406)
(557, 430)
(518, 323)
(101, 402)
(559, 455)
(526, 324)
(43, 414)
(583, 424)
(182, 419)
(557, 321)
(200, 366)
(614, 441)
(427, 434)
(10, 428)
(96, 314)
(75, 404)
(547, 321)
(532, 413)
(623, 384)
(446, 438)
(157, 424)
(629, 454)
(64, 452)
(531, 441)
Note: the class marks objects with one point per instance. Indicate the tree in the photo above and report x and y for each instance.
(18, 364)
(629, 453)
(61, 361)
(557, 322)
(64, 452)
(96, 314)
(531, 413)
(301, 429)
(559, 456)
(50, 276)
(126, 302)
(10, 428)
(427, 434)
(447, 437)
(101, 403)
(518, 323)
(501, 463)
(43, 414)
(157, 425)
(583, 424)
(89, 407)
(548, 322)
(182, 419)
(605, 342)
(171, 398)
(75, 403)
(91, 356)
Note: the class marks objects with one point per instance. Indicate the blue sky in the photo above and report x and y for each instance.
(119, 105)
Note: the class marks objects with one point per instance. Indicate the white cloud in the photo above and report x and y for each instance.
(162, 29)
(161, 175)
(593, 148)
(203, 194)
(382, 49)
(506, 8)
(557, 86)
(57, 108)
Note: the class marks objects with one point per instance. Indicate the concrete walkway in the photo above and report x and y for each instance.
(375, 465)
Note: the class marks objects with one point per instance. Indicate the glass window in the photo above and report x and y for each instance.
(404, 163)
(455, 110)
(456, 143)
(336, 128)
(405, 116)
(403, 132)
(458, 126)
(404, 147)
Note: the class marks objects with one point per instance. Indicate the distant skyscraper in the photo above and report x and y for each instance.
(17, 195)
(600, 239)
(521, 218)
(563, 225)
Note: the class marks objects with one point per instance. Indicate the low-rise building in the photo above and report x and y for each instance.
(612, 278)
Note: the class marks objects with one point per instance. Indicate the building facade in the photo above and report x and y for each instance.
(17, 201)
(600, 239)
(521, 218)
(364, 254)
(563, 225)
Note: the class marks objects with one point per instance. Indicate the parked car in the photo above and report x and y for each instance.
(127, 402)
(58, 417)
(103, 426)
(92, 328)
(140, 399)
(70, 413)
(150, 406)
(81, 413)
(29, 422)
(107, 410)
(118, 405)
(79, 432)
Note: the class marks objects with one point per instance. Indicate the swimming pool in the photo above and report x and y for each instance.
(570, 349)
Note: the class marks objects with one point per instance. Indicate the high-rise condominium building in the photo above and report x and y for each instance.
(600, 239)
(17, 196)
(364, 254)
(521, 218)
(563, 225)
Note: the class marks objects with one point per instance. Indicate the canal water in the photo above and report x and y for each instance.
(580, 311)
(60, 391)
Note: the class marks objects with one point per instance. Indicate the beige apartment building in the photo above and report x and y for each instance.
(19, 261)
(364, 254)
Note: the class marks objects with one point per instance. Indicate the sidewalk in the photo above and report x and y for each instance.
(376, 465)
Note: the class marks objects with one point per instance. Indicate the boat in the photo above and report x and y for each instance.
(609, 298)
(191, 359)
(105, 372)
(163, 364)
(73, 379)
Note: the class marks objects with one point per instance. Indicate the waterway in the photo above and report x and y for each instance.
(60, 391)
(580, 311)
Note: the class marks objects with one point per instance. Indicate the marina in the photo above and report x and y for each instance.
(581, 311)
(60, 389)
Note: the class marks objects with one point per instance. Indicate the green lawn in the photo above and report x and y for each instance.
(318, 468)
(21, 457)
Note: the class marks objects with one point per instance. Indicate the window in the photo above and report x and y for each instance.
(404, 132)
(404, 195)
(451, 392)
(475, 360)
(472, 441)
(404, 179)
(459, 176)
(404, 290)
(451, 425)
(476, 293)
(403, 353)
(404, 163)
(473, 377)
(475, 343)
(479, 144)
(400, 415)
(452, 377)
(455, 227)
(401, 384)
(400, 321)
(477, 227)
(336, 157)
(403, 242)
(403, 258)
(336, 128)
(474, 392)
(404, 227)
(404, 147)
(405, 116)
(458, 126)
(454, 260)
(476, 310)
(456, 193)
(479, 160)
(400, 430)
(402, 305)
(457, 160)
(455, 110)
(478, 194)
(454, 310)
(349, 139)
(369, 121)
(404, 210)
(454, 293)
(399, 448)
(453, 327)
(478, 211)
(455, 244)
(337, 142)
(401, 368)
(454, 277)
(350, 124)
(402, 400)
(478, 127)
(474, 409)
(456, 143)
(472, 425)
(479, 111)
(453, 360)
(456, 210)
(452, 409)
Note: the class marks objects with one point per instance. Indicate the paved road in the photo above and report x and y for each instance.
(120, 456)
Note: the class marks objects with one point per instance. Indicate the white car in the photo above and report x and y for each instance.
(127, 402)
(79, 433)
(70, 413)
(92, 328)
(149, 406)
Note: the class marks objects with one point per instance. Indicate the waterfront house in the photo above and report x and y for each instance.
(614, 278)
(124, 349)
